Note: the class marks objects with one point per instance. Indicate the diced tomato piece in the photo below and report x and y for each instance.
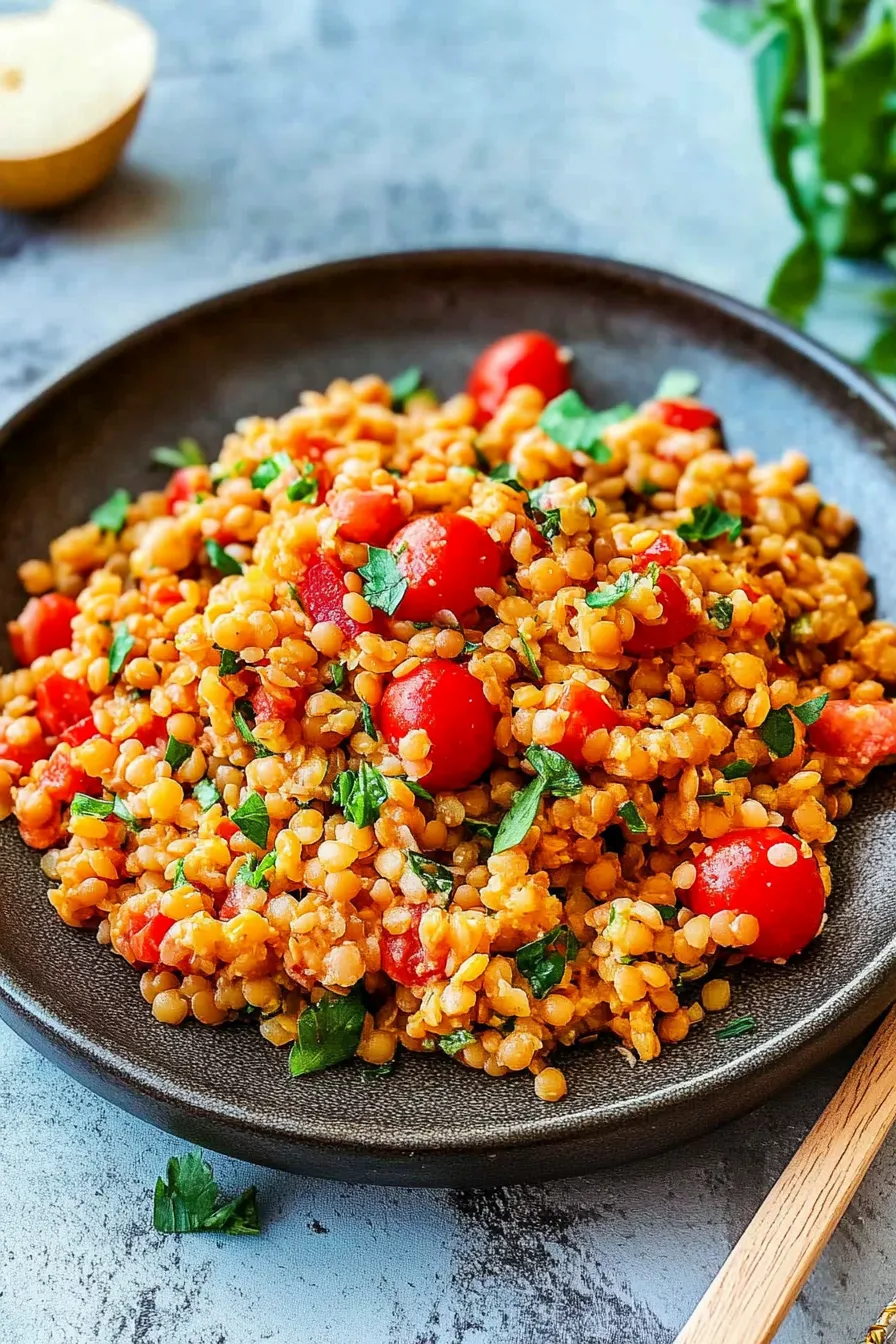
(226, 828)
(445, 557)
(527, 358)
(448, 702)
(271, 702)
(366, 515)
(61, 703)
(666, 550)
(62, 779)
(146, 942)
(862, 735)
(80, 732)
(154, 733)
(403, 957)
(678, 622)
(586, 711)
(43, 626)
(185, 485)
(322, 590)
(22, 757)
(762, 872)
(242, 897)
(687, 415)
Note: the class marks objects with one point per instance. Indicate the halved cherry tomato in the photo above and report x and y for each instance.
(322, 590)
(587, 711)
(269, 703)
(61, 703)
(146, 942)
(62, 779)
(525, 358)
(678, 622)
(863, 735)
(366, 515)
(80, 732)
(43, 626)
(687, 415)
(445, 557)
(448, 702)
(185, 485)
(666, 550)
(403, 957)
(761, 872)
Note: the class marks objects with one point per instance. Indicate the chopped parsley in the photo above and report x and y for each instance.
(179, 879)
(222, 560)
(254, 871)
(549, 526)
(487, 830)
(677, 383)
(530, 658)
(367, 721)
(404, 385)
(801, 628)
(668, 912)
(632, 818)
(736, 769)
(189, 1201)
(741, 1026)
(205, 791)
(327, 1032)
(717, 799)
(507, 475)
(360, 793)
(373, 1072)
(434, 876)
(708, 521)
(122, 643)
(649, 489)
(555, 775)
(268, 470)
(721, 614)
(456, 1041)
(543, 962)
(384, 584)
(230, 665)
(304, 490)
(244, 722)
(572, 424)
(337, 675)
(112, 514)
(83, 805)
(418, 790)
(615, 592)
(778, 732)
(176, 753)
(252, 819)
(186, 454)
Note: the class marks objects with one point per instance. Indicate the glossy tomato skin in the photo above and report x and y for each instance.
(678, 622)
(145, 943)
(587, 711)
(270, 703)
(43, 626)
(736, 873)
(369, 516)
(403, 957)
(862, 735)
(449, 703)
(666, 550)
(61, 703)
(445, 557)
(685, 415)
(524, 358)
(81, 731)
(62, 779)
(322, 590)
(185, 485)
(22, 757)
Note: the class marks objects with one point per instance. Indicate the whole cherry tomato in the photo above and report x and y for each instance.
(587, 711)
(525, 358)
(678, 621)
(366, 515)
(449, 704)
(444, 557)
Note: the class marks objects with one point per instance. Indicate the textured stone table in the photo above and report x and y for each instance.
(278, 133)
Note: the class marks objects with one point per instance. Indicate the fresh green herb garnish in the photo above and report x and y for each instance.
(304, 489)
(778, 732)
(384, 583)
(677, 383)
(337, 675)
(360, 793)
(668, 912)
(375, 1071)
(254, 872)
(721, 614)
(419, 790)
(230, 665)
(801, 628)
(294, 596)
(530, 658)
(124, 813)
(555, 775)
(572, 424)
(176, 753)
(122, 643)
(456, 1041)
(179, 879)
(328, 1032)
(632, 818)
(470, 646)
(543, 962)
(486, 829)
(112, 515)
(649, 489)
(549, 526)
(252, 818)
(507, 475)
(739, 1027)
(736, 769)
(205, 791)
(367, 721)
(608, 597)
(709, 521)
(434, 876)
(221, 560)
(189, 1202)
(83, 805)
(404, 385)
(717, 799)
(268, 470)
(186, 454)
(244, 722)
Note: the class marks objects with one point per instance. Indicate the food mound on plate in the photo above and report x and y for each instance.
(483, 727)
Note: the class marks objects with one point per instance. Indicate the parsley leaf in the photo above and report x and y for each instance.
(456, 1041)
(777, 730)
(507, 475)
(186, 454)
(328, 1032)
(608, 597)
(252, 818)
(739, 1027)
(486, 829)
(244, 722)
(121, 810)
(572, 424)
(304, 490)
(384, 584)
(337, 675)
(367, 721)
(530, 658)
(404, 385)
(721, 614)
(176, 753)
(434, 876)
(220, 559)
(254, 871)
(560, 778)
(809, 711)
(717, 799)
(189, 1201)
(736, 769)
(360, 793)
(205, 791)
(112, 515)
(549, 527)
(122, 643)
(709, 521)
(418, 790)
(269, 469)
(554, 775)
(677, 383)
(180, 878)
(84, 805)
(668, 912)
(230, 665)
(543, 961)
(632, 818)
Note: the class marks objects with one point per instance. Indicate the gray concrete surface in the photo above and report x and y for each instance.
(278, 133)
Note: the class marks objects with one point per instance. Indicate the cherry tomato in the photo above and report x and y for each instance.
(62, 779)
(44, 625)
(80, 732)
(271, 702)
(61, 703)
(322, 590)
(677, 624)
(311, 448)
(751, 872)
(666, 550)
(404, 958)
(445, 557)
(586, 710)
(185, 485)
(687, 415)
(154, 733)
(144, 945)
(366, 515)
(449, 703)
(526, 358)
(862, 735)
(226, 828)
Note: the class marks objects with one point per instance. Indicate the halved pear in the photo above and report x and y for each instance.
(73, 78)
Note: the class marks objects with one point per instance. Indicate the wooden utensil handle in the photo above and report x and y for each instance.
(763, 1275)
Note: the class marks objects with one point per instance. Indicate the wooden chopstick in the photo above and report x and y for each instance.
(762, 1277)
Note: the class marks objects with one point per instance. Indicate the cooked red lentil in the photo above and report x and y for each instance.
(489, 725)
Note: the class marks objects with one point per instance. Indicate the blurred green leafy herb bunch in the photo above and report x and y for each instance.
(825, 79)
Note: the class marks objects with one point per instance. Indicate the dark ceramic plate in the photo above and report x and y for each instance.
(432, 1122)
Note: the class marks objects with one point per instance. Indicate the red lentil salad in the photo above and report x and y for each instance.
(486, 726)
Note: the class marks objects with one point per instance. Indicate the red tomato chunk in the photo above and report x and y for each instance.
(146, 942)
(80, 732)
(448, 702)
(62, 779)
(366, 515)
(44, 625)
(666, 550)
(587, 711)
(22, 757)
(185, 485)
(322, 590)
(685, 415)
(269, 703)
(61, 703)
(405, 960)
(445, 557)
(764, 873)
(526, 358)
(678, 621)
(863, 735)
